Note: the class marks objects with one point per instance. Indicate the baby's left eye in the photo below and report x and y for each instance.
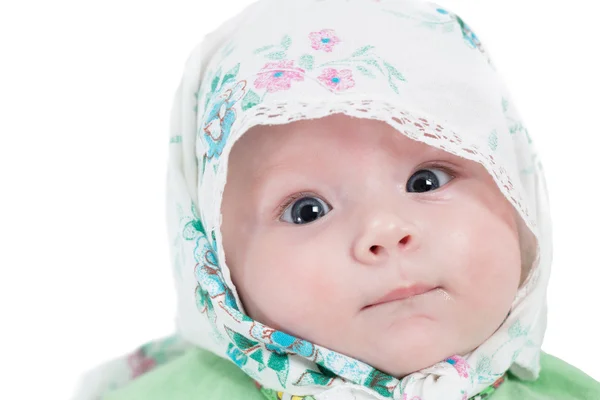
(424, 180)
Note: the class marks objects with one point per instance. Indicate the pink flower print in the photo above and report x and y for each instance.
(324, 39)
(278, 76)
(460, 364)
(140, 363)
(337, 80)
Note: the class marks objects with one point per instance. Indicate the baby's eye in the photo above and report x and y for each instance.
(305, 210)
(424, 180)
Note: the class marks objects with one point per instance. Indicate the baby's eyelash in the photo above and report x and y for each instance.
(290, 200)
(441, 166)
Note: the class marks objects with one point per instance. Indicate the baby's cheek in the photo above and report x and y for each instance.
(486, 281)
(489, 301)
(282, 286)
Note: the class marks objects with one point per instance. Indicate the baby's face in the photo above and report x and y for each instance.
(374, 215)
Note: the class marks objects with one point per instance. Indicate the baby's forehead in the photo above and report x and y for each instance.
(338, 130)
(309, 148)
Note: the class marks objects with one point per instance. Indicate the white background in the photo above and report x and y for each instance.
(85, 95)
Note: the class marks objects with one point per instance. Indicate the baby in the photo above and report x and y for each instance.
(356, 211)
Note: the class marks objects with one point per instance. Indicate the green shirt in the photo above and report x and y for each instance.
(200, 375)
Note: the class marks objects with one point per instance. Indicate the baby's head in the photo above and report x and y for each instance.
(322, 168)
(323, 218)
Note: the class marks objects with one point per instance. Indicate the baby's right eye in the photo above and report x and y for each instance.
(305, 210)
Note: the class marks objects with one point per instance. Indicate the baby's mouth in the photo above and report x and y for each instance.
(404, 292)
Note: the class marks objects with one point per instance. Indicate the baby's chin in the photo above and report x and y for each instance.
(403, 349)
(412, 351)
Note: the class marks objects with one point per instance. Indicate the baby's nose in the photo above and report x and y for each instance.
(384, 237)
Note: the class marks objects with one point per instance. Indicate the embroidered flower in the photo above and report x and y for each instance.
(460, 364)
(210, 277)
(337, 80)
(324, 40)
(278, 76)
(221, 118)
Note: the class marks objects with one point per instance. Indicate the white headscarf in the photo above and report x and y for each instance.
(409, 63)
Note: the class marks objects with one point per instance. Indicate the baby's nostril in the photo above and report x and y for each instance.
(375, 249)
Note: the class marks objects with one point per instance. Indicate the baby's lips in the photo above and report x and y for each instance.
(404, 292)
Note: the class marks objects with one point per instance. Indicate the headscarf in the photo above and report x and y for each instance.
(413, 64)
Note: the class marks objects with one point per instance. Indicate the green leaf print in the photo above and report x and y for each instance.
(204, 304)
(483, 366)
(375, 64)
(306, 61)
(493, 140)
(264, 48)
(313, 378)
(242, 342)
(381, 382)
(286, 42)
(206, 101)
(258, 357)
(393, 86)
(362, 50)
(365, 71)
(250, 100)
(227, 49)
(504, 104)
(393, 71)
(216, 80)
(193, 227)
(280, 364)
(231, 74)
(276, 55)
(204, 158)
(528, 137)
(516, 127)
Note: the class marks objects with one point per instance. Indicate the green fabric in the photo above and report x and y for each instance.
(198, 373)
(192, 376)
(558, 380)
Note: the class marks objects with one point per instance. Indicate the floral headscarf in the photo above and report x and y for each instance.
(410, 63)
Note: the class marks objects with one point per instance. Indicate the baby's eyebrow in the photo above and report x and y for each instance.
(272, 172)
(282, 166)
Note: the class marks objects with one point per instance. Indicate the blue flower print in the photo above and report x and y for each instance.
(221, 117)
(209, 275)
(280, 342)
